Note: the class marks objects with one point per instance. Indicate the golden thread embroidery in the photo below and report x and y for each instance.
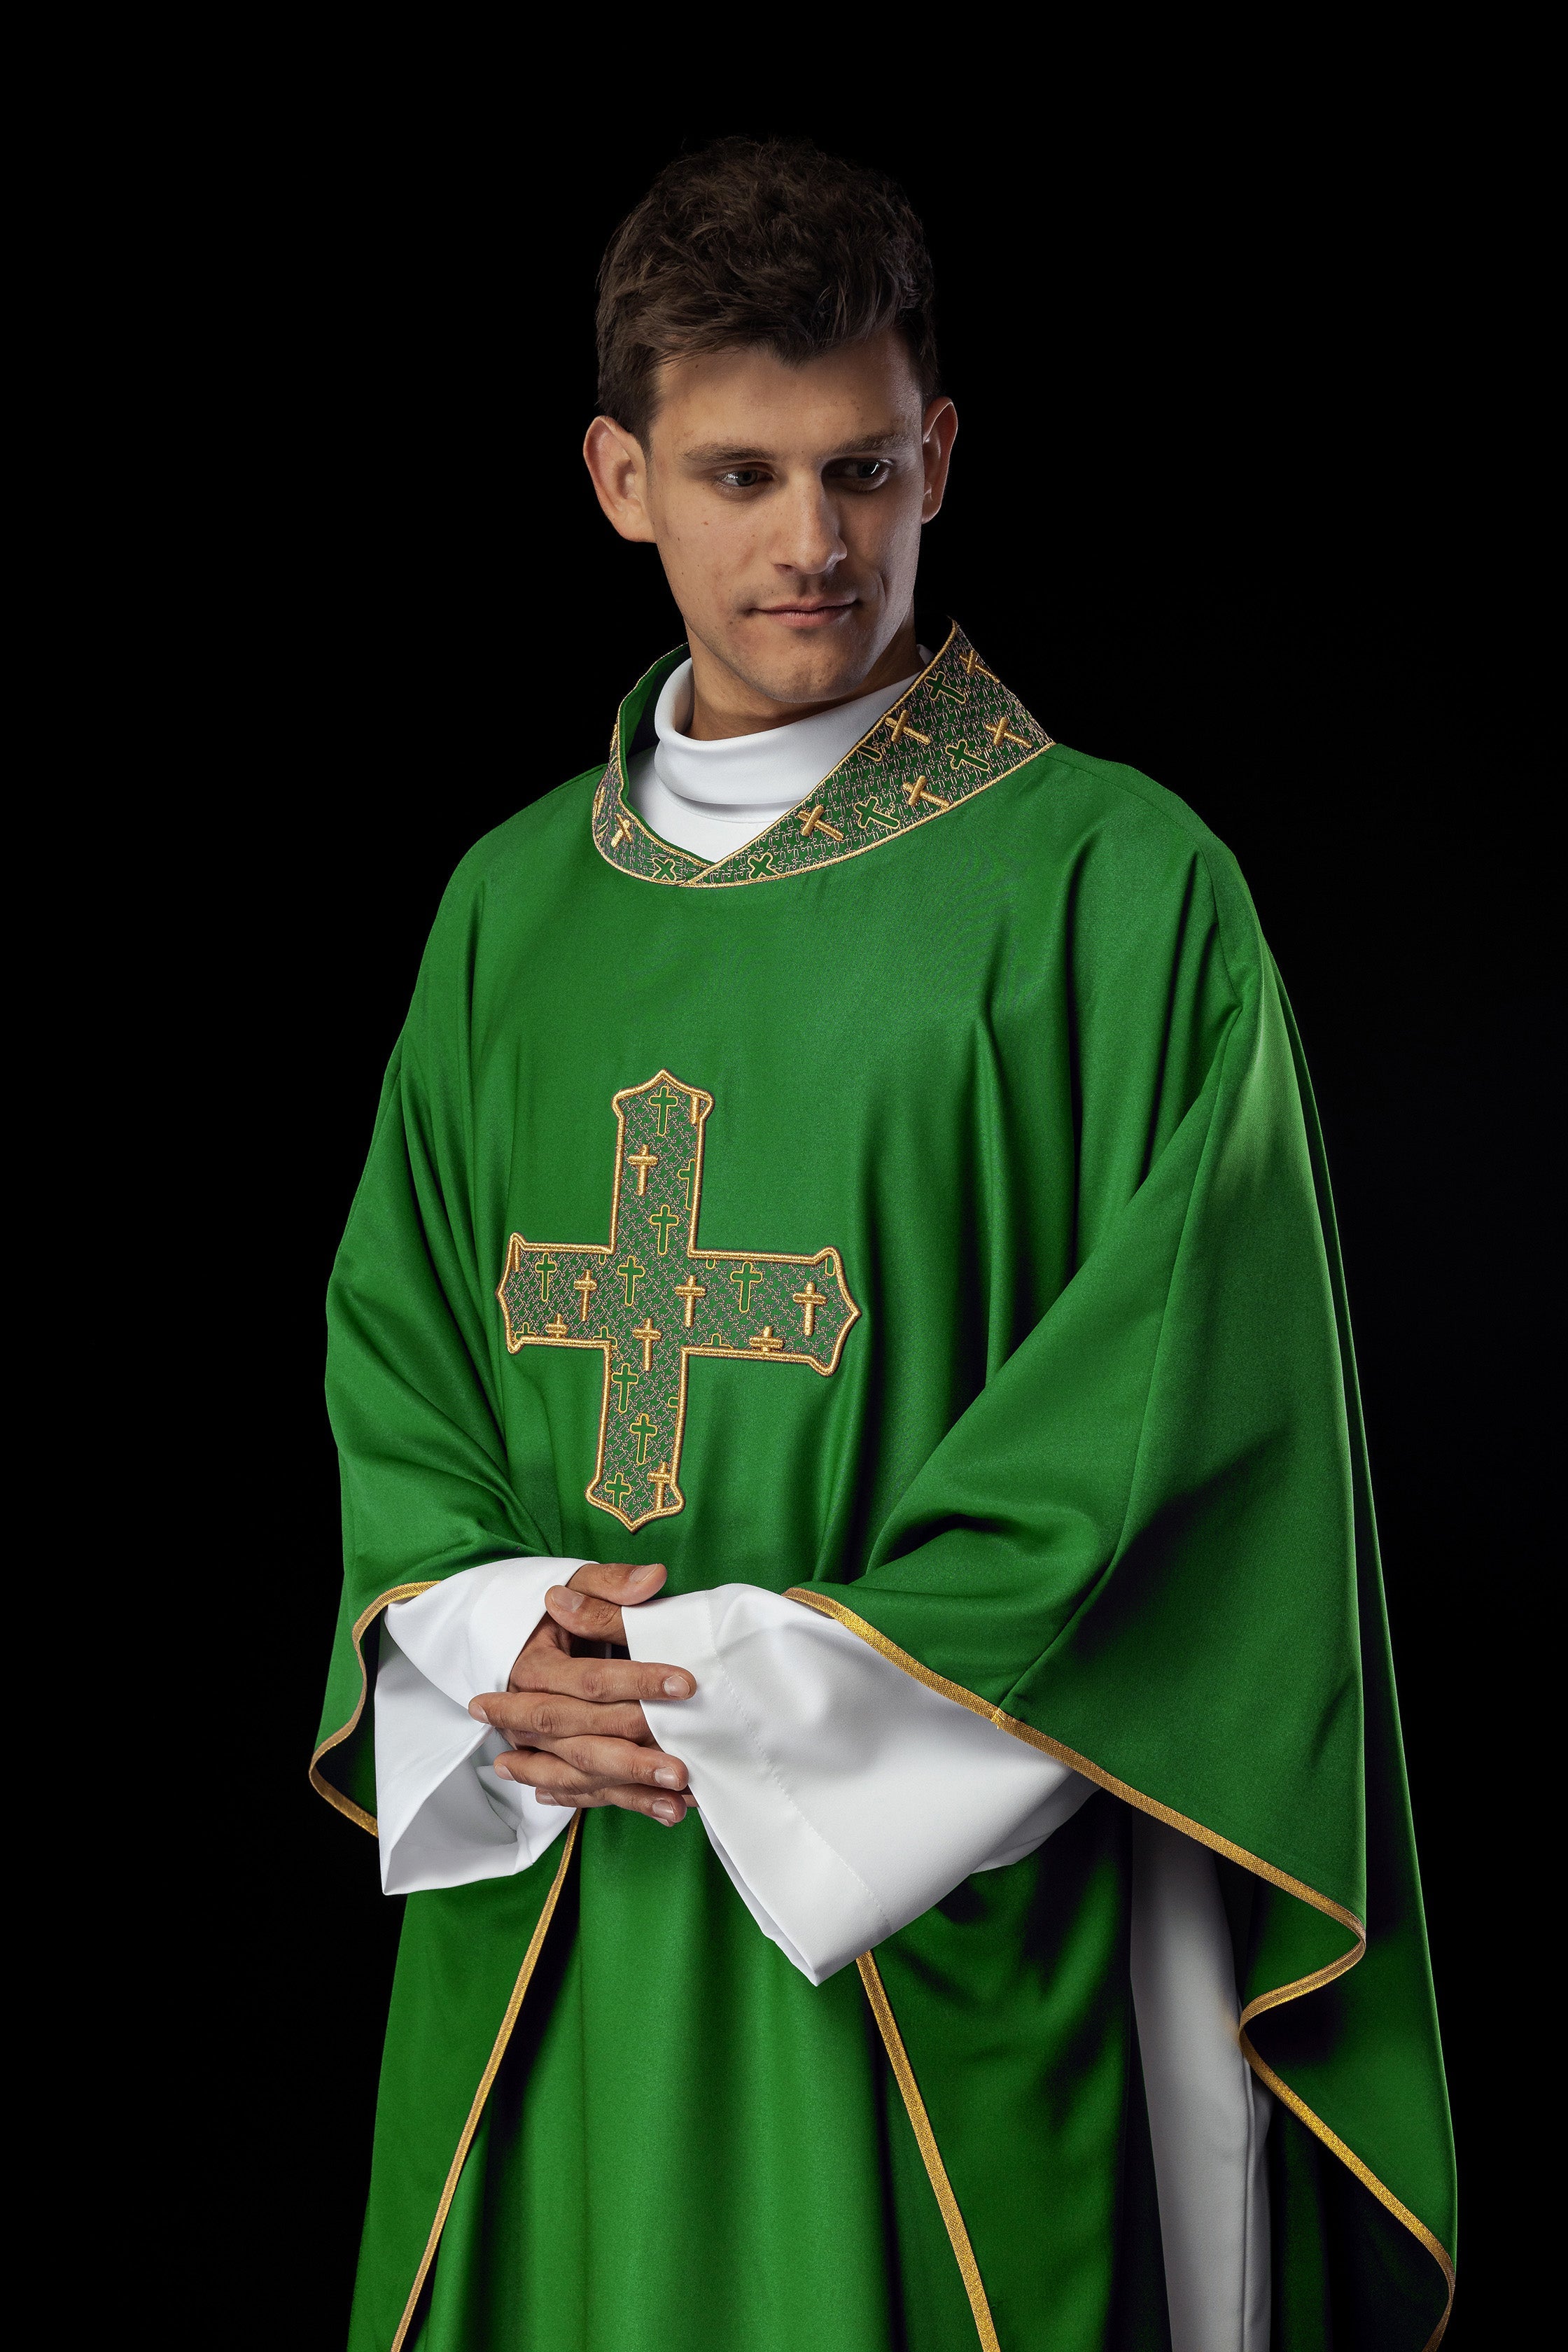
(497, 2052)
(1274, 1998)
(322, 1785)
(931, 2155)
(948, 680)
(661, 1126)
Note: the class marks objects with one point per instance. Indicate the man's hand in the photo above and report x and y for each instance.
(575, 1716)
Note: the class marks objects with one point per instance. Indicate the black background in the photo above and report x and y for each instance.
(1237, 452)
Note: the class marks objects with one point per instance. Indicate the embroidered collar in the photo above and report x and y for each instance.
(954, 730)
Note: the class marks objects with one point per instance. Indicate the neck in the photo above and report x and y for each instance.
(723, 703)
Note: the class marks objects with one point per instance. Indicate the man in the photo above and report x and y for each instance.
(849, 1158)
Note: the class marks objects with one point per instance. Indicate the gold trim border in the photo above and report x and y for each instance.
(1274, 1998)
(931, 2154)
(322, 1785)
(497, 2052)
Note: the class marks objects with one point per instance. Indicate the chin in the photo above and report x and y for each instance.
(826, 667)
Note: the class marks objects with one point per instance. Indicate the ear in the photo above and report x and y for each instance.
(939, 430)
(615, 458)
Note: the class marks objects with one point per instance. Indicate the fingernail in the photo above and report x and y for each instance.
(667, 1778)
(677, 1686)
(562, 1597)
(478, 1710)
(665, 1811)
(641, 1575)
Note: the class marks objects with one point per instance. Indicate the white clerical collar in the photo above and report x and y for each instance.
(713, 798)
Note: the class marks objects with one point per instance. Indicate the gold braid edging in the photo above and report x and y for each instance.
(530, 1962)
(1349, 2158)
(812, 1598)
(931, 2155)
(322, 1785)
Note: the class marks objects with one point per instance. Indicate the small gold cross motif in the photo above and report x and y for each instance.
(814, 822)
(919, 790)
(623, 832)
(899, 722)
(646, 1350)
(1001, 733)
(808, 1300)
(649, 1336)
(971, 661)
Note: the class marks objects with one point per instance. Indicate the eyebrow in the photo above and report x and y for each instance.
(717, 452)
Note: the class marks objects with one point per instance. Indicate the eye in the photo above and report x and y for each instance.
(866, 473)
(741, 477)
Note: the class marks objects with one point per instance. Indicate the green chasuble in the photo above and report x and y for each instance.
(922, 1213)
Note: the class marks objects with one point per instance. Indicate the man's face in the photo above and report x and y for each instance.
(786, 505)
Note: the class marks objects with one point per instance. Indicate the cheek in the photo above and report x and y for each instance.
(885, 533)
(704, 545)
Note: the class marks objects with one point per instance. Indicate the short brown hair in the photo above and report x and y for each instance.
(759, 242)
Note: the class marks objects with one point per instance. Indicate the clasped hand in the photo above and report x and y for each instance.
(575, 1718)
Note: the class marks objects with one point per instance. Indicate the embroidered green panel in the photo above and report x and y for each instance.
(650, 1299)
(955, 730)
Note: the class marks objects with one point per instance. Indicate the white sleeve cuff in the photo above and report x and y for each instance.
(843, 1797)
(445, 1819)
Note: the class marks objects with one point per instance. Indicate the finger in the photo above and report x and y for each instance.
(536, 1719)
(595, 1762)
(586, 1619)
(556, 1781)
(619, 1581)
(609, 1682)
(667, 1811)
(590, 1605)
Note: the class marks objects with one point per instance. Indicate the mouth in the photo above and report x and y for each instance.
(809, 612)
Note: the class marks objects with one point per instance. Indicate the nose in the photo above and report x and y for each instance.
(808, 539)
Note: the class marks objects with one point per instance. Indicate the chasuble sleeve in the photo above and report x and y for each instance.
(411, 1373)
(1146, 1546)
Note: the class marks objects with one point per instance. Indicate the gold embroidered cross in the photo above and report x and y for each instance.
(808, 1300)
(766, 1283)
(813, 820)
(920, 791)
(899, 721)
(642, 1430)
(868, 815)
(970, 662)
(650, 1337)
(622, 833)
(1001, 733)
